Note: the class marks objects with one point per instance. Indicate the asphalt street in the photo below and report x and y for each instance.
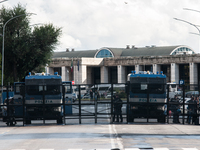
(101, 137)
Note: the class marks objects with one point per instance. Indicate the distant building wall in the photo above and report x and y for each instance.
(83, 76)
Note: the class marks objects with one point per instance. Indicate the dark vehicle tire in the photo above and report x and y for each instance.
(59, 121)
(4, 118)
(161, 119)
(27, 121)
(130, 119)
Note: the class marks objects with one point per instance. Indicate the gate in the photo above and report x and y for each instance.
(180, 106)
(94, 103)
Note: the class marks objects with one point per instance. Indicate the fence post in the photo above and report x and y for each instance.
(23, 103)
(167, 103)
(79, 102)
(8, 108)
(63, 103)
(95, 111)
(148, 104)
(183, 104)
(127, 104)
(111, 121)
(43, 104)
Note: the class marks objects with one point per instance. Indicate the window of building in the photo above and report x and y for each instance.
(58, 69)
(104, 53)
(182, 50)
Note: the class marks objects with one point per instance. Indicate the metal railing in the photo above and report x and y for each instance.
(83, 109)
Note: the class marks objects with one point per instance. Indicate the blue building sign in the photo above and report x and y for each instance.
(181, 82)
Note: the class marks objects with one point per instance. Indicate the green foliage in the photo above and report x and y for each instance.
(120, 92)
(25, 49)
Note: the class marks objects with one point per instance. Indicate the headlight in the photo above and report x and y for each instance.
(134, 107)
(57, 109)
(161, 108)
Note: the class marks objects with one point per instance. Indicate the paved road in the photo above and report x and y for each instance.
(101, 137)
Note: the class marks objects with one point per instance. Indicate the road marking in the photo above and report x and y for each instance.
(120, 149)
(102, 149)
(111, 137)
(131, 149)
(119, 140)
(160, 149)
(110, 130)
(189, 148)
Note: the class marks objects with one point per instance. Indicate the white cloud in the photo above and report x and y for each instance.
(113, 23)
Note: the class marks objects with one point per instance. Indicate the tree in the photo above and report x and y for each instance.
(25, 49)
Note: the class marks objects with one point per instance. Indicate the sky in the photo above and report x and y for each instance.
(94, 24)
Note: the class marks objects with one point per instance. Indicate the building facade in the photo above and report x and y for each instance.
(112, 65)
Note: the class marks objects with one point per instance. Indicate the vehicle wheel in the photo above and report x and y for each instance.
(161, 119)
(59, 121)
(27, 121)
(130, 119)
(4, 119)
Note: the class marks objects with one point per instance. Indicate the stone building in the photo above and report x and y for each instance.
(112, 65)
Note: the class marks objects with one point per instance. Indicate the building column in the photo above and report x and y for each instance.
(193, 73)
(67, 74)
(156, 68)
(83, 74)
(76, 75)
(104, 74)
(168, 73)
(174, 73)
(80, 75)
(138, 68)
(121, 74)
(64, 73)
(71, 75)
(89, 75)
(50, 70)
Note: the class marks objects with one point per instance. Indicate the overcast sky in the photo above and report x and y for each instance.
(93, 24)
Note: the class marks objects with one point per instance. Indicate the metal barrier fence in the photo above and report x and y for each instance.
(98, 104)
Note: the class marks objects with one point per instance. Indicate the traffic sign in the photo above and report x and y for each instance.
(181, 82)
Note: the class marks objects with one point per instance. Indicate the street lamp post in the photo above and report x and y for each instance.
(189, 24)
(3, 1)
(2, 71)
(191, 9)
